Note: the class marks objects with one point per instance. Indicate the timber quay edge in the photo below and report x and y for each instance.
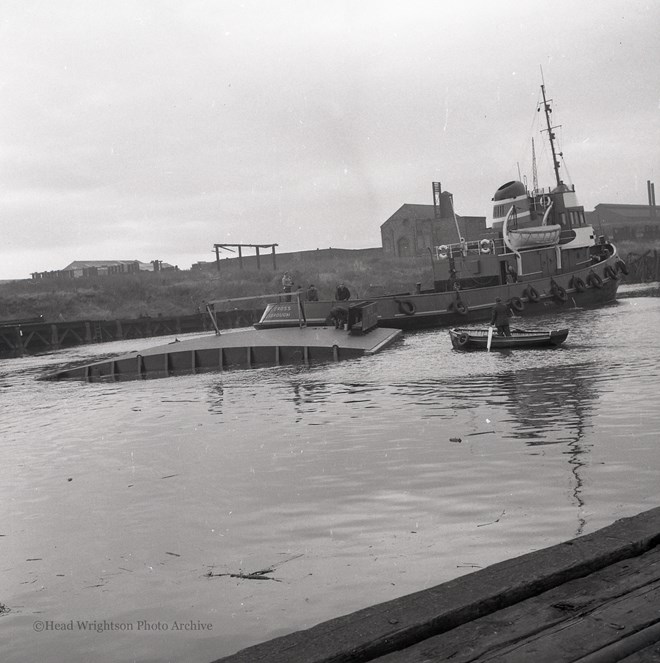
(593, 599)
(36, 336)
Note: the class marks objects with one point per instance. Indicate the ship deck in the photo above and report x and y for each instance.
(249, 348)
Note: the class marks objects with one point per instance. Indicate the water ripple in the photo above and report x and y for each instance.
(374, 477)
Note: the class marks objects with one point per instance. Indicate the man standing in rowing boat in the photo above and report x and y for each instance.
(500, 318)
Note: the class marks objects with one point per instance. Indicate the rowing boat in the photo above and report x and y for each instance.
(477, 339)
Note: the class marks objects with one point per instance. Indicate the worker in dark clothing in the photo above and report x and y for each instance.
(338, 317)
(500, 317)
(312, 294)
(342, 293)
(287, 285)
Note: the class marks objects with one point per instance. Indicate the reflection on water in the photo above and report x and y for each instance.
(552, 410)
(356, 482)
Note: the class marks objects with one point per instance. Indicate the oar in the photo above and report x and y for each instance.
(490, 338)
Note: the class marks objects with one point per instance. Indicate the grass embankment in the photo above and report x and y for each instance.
(367, 273)
(172, 293)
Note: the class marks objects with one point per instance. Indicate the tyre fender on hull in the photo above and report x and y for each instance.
(516, 304)
(457, 307)
(462, 339)
(406, 306)
(531, 293)
(594, 280)
(621, 266)
(558, 292)
(611, 273)
(579, 284)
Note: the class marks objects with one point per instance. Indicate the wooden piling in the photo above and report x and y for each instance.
(54, 339)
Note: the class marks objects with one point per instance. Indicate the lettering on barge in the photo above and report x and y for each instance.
(287, 311)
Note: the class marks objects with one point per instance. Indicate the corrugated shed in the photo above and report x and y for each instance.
(86, 264)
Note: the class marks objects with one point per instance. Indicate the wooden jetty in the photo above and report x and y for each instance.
(249, 348)
(34, 336)
(593, 599)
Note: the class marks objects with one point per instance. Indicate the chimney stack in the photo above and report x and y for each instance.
(650, 186)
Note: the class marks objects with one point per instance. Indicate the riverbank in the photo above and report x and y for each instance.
(366, 272)
(171, 293)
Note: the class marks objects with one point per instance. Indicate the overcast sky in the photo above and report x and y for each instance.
(149, 129)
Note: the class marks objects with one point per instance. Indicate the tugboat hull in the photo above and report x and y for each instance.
(589, 288)
(442, 310)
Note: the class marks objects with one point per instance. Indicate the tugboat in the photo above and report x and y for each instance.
(538, 254)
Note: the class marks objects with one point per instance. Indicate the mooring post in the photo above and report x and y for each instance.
(19, 341)
(54, 340)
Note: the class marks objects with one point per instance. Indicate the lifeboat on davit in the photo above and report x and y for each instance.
(523, 218)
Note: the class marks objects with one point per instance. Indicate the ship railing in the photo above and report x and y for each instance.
(465, 248)
(294, 296)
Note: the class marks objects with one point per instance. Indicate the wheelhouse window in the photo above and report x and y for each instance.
(576, 218)
(501, 210)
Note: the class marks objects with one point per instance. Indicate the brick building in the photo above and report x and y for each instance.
(621, 222)
(413, 229)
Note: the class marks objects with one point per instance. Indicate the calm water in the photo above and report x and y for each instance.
(355, 483)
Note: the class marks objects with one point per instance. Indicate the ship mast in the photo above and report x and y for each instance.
(551, 135)
(535, 177)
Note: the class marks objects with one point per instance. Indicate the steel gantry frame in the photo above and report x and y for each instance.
(240, 247)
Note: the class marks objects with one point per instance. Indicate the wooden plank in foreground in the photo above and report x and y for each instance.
(401, 623)
(611, 611)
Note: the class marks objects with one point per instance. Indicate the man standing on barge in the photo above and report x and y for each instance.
(342, 293)
(287, 284)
